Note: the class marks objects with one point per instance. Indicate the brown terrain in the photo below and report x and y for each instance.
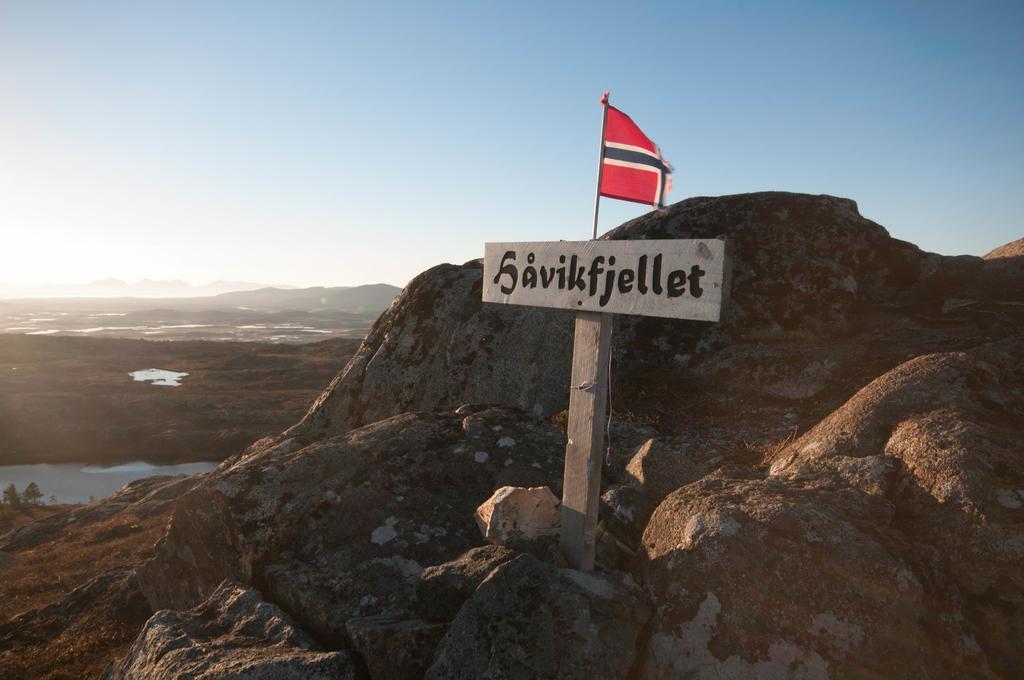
(58, 622)
(68, 399)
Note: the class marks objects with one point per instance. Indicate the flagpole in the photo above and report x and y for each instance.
(600, 161)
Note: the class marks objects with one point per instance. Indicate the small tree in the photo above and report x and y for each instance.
(31, 494)
(11, 496)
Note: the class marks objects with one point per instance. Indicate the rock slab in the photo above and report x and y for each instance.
(531, 620)
(234, 635)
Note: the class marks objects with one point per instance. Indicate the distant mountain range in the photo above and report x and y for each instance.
(371, 298)
(118, 288)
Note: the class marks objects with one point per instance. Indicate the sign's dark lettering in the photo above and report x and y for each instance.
(510, 270)
(597, 280)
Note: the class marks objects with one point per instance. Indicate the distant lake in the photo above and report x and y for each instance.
(72, 483)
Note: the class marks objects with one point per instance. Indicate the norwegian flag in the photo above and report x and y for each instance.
(632, 168)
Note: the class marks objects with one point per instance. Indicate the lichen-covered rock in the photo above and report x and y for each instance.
(773, 578)
(530, 620)
(234, 635)
(805, 266)
(444, 587)
(663, 464)
(515, 513)
(439, 346)
(1009, 256)
(342, 528)
(395, 648)
(940, 438)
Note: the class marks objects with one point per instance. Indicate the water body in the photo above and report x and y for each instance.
(74, 483)
(158, 376)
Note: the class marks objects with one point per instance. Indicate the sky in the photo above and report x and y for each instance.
(340, 143)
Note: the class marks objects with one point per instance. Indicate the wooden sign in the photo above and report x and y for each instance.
(674, 278)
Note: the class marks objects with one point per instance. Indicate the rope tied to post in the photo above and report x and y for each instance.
(591, 388)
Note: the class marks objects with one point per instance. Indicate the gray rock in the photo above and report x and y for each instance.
(443, 588)
(807, 265)
(786, 579)
(939, 438)
(439, 346)
(395, 649)
(531, 620)
(341, 528)
(234, 635)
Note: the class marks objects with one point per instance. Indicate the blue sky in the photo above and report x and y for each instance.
(340, 143)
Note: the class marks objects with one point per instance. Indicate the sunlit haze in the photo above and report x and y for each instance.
(340, 143)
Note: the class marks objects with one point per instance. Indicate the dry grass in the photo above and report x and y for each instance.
(80, 645)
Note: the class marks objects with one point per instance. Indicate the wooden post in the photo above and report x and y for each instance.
(581, 488)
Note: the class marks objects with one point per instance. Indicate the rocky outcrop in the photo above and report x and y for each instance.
(1014, 250)
(530, 620)
(395, 648)
(885, 540)
(343, 528)
(439, 346)
(443, 588)
(940, 437)
(767, 579)
(231, 636)
(888, 540)
(803, 265)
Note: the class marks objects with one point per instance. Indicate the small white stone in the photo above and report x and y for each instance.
(480, 456)
(385, 532)
(506, 442)
(497, 428)
(459, 449)
(508, 461)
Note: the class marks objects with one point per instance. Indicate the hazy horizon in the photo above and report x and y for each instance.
(342, 144)
(147, 288)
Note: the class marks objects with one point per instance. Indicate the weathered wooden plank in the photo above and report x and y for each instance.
(675, 278)
(581, 488)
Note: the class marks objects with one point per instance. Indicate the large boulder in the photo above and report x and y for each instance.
(940, 437)
(438, 346)
(443, 588)
(343, 528)
(807, 267)
(799, 262)
(531, 620)
(780, 579)
(395, 648)
(234, 635)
